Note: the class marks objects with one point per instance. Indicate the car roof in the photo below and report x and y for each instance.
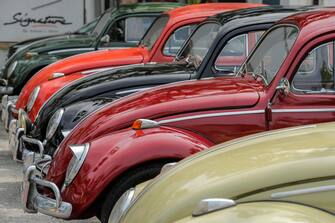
(235, 20)
(204, 10)
(254, 16)
(312, 23)
(144, 8)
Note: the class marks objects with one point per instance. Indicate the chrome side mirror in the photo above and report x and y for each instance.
(284, 86)
(105, 39)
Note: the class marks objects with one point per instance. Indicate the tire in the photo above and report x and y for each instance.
(130, 179)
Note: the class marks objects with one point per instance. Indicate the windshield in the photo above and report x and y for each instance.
(154, 32)
(198, 45)
(88, 27)
(270, 53)
(99, 28)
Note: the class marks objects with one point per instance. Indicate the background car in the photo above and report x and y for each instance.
(160, 44)
(110, 161)
(99, 89)
(286, 174)
(110, 32)
(84, 30)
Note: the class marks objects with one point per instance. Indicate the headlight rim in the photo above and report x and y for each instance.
(32, 98)
(11, 69)
(75, 163)
(51, 130)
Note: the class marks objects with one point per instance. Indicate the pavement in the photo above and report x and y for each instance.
(10, 198)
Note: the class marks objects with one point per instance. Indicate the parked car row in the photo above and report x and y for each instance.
(94, 130)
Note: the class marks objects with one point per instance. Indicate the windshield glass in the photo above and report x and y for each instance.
(198, 45)
(270, 54)
(99, 28)
(88, 27)
(154, 32)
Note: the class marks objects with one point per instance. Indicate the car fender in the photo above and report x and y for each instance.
(264, 211)
(111, 156)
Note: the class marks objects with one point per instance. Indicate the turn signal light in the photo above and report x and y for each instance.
(144, 124)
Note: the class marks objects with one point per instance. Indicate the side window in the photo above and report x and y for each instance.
(235, 52)
(176, 40)
(128, 30)
(316, 73)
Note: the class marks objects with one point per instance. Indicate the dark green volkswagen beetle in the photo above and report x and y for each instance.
(116, 28)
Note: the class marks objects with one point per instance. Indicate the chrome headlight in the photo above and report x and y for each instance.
(54, 123)
(32, 98)
(11, 69)
(121, 206)
(79, 155)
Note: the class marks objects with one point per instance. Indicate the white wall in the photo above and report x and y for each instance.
(327, 2)
(296, 2)
(72, 11)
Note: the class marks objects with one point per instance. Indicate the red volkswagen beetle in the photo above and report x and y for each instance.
(160, 44)
(288, 80)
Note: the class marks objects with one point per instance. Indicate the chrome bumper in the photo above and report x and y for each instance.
(7, 109)
(16, 143)
(34, 202)
(5, 89)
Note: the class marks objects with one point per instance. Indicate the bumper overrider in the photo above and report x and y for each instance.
(8, 109)
(33, 201)
(18, 140)
(4, 89)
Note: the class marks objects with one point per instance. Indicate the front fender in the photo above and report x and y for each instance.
(111, 156)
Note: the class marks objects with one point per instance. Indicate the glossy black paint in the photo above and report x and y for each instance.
(108, 85)
(88, 94)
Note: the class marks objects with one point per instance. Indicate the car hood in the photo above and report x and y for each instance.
(160, 102)
(106, 82)
(29, 41)
(248, 169)
(164, 101)
(14, 47)
(61, 42)
(82, 62)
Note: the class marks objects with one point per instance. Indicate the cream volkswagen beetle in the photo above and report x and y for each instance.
(285, 176)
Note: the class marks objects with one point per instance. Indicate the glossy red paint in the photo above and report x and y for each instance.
(191, 14)
(234, 107)
(188, 144)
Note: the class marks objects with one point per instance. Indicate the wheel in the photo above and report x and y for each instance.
(129, 180)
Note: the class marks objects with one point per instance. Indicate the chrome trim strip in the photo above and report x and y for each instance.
(69, 50)
(113, 48)
(293, 110)
(311, 190)
(211, 115)
(131, 91)
(96, 70)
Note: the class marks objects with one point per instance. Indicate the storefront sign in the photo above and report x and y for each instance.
(26, 19)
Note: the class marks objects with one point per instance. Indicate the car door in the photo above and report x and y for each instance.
(311, 98)
(126, 32)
